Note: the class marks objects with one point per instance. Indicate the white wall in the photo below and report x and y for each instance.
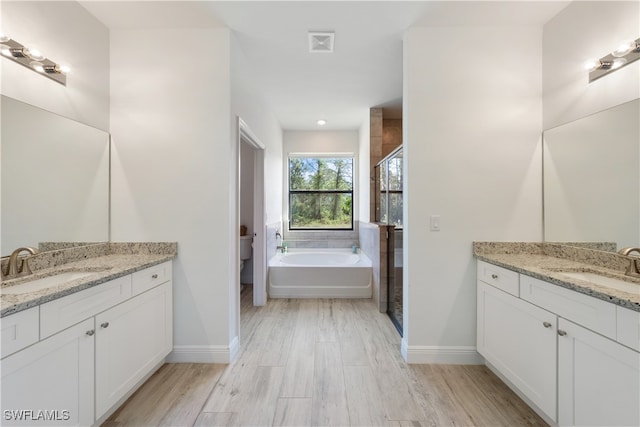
(256, 114)
(583, 31)
(321, 141)
(66, 33)
(172, 147)
(472, 155)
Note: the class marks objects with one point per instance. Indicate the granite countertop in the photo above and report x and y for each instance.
(106, 262)
(547, 262)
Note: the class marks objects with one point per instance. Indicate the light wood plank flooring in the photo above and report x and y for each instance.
(325, 362)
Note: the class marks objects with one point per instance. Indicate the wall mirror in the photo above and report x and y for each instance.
(591, 178)
(54, 178)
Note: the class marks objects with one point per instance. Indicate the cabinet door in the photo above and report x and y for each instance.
(598, 379)
(519, 340)
(131, 339)
(51, 383)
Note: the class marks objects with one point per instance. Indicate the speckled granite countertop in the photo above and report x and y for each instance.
(546, 261)
(106, 261)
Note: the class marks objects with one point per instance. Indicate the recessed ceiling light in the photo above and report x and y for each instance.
(321, 122)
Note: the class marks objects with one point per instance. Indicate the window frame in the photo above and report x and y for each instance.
(290, 192)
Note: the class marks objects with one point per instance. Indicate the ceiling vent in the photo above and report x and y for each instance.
(321, 41)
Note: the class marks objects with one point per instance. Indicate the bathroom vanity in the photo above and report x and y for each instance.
(562, 339)
(73, 352)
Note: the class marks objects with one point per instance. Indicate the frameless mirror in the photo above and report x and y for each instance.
(55, 178)
(592, 178)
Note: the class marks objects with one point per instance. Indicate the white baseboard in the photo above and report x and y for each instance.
(203, 353)
(443, 355)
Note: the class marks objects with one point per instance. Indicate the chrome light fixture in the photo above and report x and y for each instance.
(625, 54)
(33, 59)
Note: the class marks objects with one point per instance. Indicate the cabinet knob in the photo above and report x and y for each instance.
(104, 325)
(155, 276)
(546, 324)
(494, 276)
(561, 332)
(90, 332)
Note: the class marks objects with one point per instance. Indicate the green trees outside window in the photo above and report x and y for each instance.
(320, 193)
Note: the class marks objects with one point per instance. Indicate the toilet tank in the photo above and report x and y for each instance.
(245, 247)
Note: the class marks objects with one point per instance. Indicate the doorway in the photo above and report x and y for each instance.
(251, 211)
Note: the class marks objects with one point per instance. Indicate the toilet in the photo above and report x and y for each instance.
(245, 249)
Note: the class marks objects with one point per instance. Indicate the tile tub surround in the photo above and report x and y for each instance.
(322, 238)
(107, 261)
(543, 260)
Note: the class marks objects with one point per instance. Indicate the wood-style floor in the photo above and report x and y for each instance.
(321, 363)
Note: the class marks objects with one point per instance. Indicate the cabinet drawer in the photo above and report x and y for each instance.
(64, 312)
(592, 313)
(19, 331)
(628, 327)
(499, 277)
(148, 278)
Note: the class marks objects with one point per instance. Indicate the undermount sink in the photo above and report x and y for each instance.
(43, 283)
(598, 279)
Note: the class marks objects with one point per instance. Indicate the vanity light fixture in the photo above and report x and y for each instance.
(625, 54)
(33, 59)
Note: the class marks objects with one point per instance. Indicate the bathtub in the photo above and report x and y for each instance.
(320, 273)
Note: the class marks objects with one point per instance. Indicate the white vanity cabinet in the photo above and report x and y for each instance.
(598, 379)
(131, 339)
(573, 356)
(95, 346)
(51, 383)
(519, 340)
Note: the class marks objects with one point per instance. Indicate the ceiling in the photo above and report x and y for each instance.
(365, 69)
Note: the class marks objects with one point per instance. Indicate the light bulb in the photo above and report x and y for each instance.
(624, 48)
(5, 50)
(64, 69)
(4, 38)
(617, 63)
(37, 66)
(34, 54)
(321, 122)
(592, 64)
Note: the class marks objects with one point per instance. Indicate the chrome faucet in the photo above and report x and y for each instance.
(633, 269)
(23, 269)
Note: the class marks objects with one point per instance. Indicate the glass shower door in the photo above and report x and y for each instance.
(388, 207)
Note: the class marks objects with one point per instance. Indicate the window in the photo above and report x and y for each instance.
(321, 193)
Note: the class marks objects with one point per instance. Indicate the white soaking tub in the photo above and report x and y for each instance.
(320, 273)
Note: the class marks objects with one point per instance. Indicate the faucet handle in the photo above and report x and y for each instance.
(24, 267)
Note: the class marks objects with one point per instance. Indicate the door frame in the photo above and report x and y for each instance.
(259, 218)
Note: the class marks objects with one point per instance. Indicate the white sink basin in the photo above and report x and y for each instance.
(609, 282)
(45, 282)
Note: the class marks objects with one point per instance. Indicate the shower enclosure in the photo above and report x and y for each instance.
(388, 208)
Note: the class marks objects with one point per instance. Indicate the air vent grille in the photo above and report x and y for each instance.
(321, 41)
